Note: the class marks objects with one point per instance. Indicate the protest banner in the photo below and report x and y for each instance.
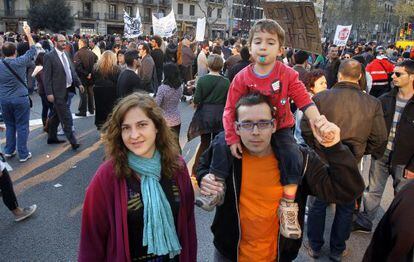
(201, 29)
(132, 25)
(342, 34)
(300, 23)
(165, 26)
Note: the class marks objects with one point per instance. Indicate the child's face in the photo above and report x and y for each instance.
(265, 47)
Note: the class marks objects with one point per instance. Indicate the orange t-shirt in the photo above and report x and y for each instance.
(260, 194)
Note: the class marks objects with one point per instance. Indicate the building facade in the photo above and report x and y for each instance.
(91, 16)
(215, 11)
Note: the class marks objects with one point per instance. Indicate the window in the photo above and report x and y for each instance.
(112, 11)
(87, 9)
(147, 14)
(192, 10)
(128, 10)
(180, 8)
(219, 11)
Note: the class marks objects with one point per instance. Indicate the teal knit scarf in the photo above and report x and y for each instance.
(159, 230)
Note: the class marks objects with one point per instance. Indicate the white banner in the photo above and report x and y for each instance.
(133, 25)
(165, 26)
(342, 34)
(201, 29)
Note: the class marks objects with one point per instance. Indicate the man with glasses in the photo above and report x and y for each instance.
(60, 80)
(246, 224)
(398, 159)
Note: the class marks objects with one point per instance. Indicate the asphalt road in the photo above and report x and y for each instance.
(56, 179)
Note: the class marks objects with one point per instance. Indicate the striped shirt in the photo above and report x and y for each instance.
(399, 108)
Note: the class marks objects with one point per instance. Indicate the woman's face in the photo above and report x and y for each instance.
(320, 85)
(121, 59)
(139, 133)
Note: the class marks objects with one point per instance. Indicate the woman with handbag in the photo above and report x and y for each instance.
(210, 98)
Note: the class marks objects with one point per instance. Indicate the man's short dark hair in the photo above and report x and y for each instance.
(253, 99)
(301, 57)
(8, 49)
(130, 56)
(145, 47)
(408, 65)
(245, 54)
(157, 40)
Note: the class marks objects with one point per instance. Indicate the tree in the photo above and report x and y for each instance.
(207, 8)
(50, 14)
(405, 10)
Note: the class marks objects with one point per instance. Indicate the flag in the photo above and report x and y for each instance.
(165, 26)
(133, 25)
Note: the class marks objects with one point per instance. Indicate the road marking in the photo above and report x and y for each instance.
(37, 122)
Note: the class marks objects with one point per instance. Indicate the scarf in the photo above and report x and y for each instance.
(159, 230)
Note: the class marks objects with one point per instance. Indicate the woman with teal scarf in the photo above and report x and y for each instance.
(140, 204)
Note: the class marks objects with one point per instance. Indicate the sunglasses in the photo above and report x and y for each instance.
(398, 74)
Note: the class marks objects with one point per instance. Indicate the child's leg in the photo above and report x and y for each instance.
(290, 165)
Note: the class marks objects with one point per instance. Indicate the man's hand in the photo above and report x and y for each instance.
(2, 128)
(51, 98)
(81, 88)
(89, 76)
(325, 128)
(408, 174)
(209, 186)
(236, 150)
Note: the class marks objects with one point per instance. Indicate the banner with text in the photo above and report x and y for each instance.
(165, 26)
(300, 23)
(201, 29)
(132, 25)
(342, 34)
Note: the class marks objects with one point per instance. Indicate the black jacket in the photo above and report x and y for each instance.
(393, 239)
(128, 82)
(84, 61)
(358, 115)
(340, 183)
(403, 153)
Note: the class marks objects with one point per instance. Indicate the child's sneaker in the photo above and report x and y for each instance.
(289, 223)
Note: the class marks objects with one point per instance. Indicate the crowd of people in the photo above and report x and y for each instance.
(283, 134)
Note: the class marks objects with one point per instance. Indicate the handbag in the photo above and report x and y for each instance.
(18, 79)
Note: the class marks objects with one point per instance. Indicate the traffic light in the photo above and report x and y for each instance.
(402, 33)
(405, 27)
(409, 29)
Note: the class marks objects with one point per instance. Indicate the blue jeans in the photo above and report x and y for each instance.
(341, 226)
(16, 115)
(378, 175)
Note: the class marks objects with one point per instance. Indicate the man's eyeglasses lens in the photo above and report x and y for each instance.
(261, 125)
(398, 74)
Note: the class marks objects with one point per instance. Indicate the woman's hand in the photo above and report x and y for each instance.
(210, 186)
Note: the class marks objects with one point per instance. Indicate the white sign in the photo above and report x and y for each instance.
(133, 25)
(201, 29)
(342, 34)
(165, 26)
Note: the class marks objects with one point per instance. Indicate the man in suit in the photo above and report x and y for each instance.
(60, 79)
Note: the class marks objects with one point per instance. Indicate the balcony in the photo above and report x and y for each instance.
(88, 15)
(216, 2)
(13, 14)
(187, 18)
(114, 17)
(166, 3)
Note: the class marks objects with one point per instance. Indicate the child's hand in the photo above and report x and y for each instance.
(326, 128)
(236, 150)
(327, 136)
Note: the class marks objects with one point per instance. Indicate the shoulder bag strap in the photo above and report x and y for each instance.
(14, 72)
